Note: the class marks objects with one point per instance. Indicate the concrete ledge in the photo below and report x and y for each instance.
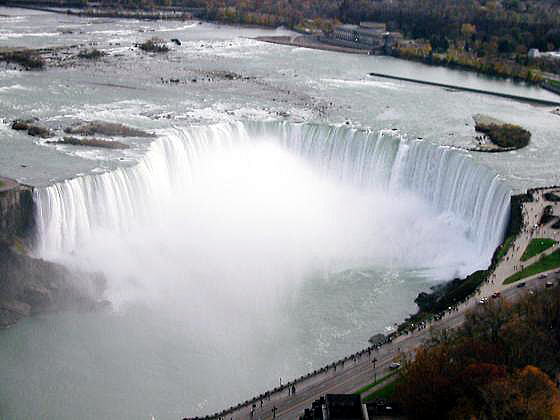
(467, 89)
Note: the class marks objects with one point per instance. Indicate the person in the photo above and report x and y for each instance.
(293, 389)
(274, 412)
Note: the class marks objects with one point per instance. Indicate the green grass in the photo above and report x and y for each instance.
(368, 387)
(546, 263)
(385, 393)
(536, 246)
(2, 183)
(502, 251)
(554, 83)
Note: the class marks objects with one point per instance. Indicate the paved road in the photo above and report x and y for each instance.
(355, 373)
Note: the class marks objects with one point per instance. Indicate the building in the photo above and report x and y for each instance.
(370, 36)
(359, 37)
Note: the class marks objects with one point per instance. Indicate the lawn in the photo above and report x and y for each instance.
(546, 263)
(368, 387)
(536, 246)
(502, 251)
(385, 393)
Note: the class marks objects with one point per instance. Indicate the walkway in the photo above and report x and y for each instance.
(511, 262)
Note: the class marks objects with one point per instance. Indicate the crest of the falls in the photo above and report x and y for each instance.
(270, 202)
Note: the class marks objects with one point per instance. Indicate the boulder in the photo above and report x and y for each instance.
(39, 131)
(21, 125)
(33, 127)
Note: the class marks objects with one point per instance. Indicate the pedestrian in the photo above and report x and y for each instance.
(293, 389)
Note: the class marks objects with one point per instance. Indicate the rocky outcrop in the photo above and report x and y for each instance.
(92, 142)
(30, 286)
(33, 127)
(498, 136)
(106, 129)
(26, 58)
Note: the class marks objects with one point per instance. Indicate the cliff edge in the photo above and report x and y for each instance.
(28, 285)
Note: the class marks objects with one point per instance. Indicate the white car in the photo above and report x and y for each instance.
(394, 365)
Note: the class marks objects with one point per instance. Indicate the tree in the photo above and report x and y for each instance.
(527, 394)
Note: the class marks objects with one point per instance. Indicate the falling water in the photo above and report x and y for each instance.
(70, 213)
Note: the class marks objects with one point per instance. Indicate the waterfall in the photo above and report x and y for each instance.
(69, 212)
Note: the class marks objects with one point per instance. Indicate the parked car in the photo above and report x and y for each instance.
(522, 284)
(542, 276)
(496, 295)
(394, 365)
(548, 284)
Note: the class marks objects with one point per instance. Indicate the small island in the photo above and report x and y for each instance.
(498, 136)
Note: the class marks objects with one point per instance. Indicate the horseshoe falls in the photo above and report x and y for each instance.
(459, 192)
(251, 251)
